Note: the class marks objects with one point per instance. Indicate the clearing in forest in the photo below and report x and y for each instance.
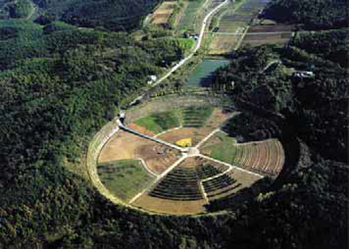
(162, 179)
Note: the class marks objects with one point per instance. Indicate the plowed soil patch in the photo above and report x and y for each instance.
(124, 145)
(170, 207)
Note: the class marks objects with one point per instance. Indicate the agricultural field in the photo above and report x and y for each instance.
(163, 13)
(186, 166)
(260, 39)
(196, 116)
(268, 34)
(232, 21)
(265, 157)
(226, 185)
(188, 20)
(206, 120)
(223, 43)
(220, 147)
(125, 178)
(124, 145)
(159, 122)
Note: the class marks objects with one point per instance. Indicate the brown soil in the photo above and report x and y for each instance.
(218, 117)
(244, 180)
(192, 162)
(271, 28)
(141, 129)
(222, 44)
(124, 145)
(256, 40)
(168, 206)
(161, 15)
(197, 134)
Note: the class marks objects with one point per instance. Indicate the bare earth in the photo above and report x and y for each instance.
(163, 13)
(170, 207)
(197, 134)
(223, 44)
(125, 145)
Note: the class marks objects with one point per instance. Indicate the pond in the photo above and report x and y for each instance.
(203, 73)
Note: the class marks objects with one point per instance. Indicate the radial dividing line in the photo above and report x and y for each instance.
(207, 138)
(146, 167)
(158, 178)
(173, 129)
(229, 165)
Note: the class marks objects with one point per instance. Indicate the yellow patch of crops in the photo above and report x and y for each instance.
(186, 142)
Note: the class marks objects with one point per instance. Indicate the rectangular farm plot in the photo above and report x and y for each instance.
(188, 19)
(163, 13)
(271, 28)
(229, 26)
(257, 39)
(223, 44)
(125, 178)
(159, 122)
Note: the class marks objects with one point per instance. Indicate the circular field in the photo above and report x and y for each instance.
(177, 160)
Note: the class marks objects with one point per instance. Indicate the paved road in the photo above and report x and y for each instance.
(197, 47)
(148, 137)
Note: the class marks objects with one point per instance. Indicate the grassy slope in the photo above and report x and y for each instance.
(223, 151)
(124, 178)
(196, 117)
(159, 122)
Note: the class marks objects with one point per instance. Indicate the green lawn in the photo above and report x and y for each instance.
(125, 178)
(196, 116)
(224, 150)
(159, 122)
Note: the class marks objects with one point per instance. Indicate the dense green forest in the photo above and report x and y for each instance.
(60, 84)
(309, 113)
(15, 9)
(310, 14)
(116, 15)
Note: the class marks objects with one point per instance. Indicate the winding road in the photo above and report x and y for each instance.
(197, 47)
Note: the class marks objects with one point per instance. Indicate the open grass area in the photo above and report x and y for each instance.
(196, 116)
(221, 148)
(159, 122)
(125, 178)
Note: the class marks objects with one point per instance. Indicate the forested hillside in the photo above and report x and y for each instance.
(102, 14)
(310, 116)
(311, 14)
(60, 84)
